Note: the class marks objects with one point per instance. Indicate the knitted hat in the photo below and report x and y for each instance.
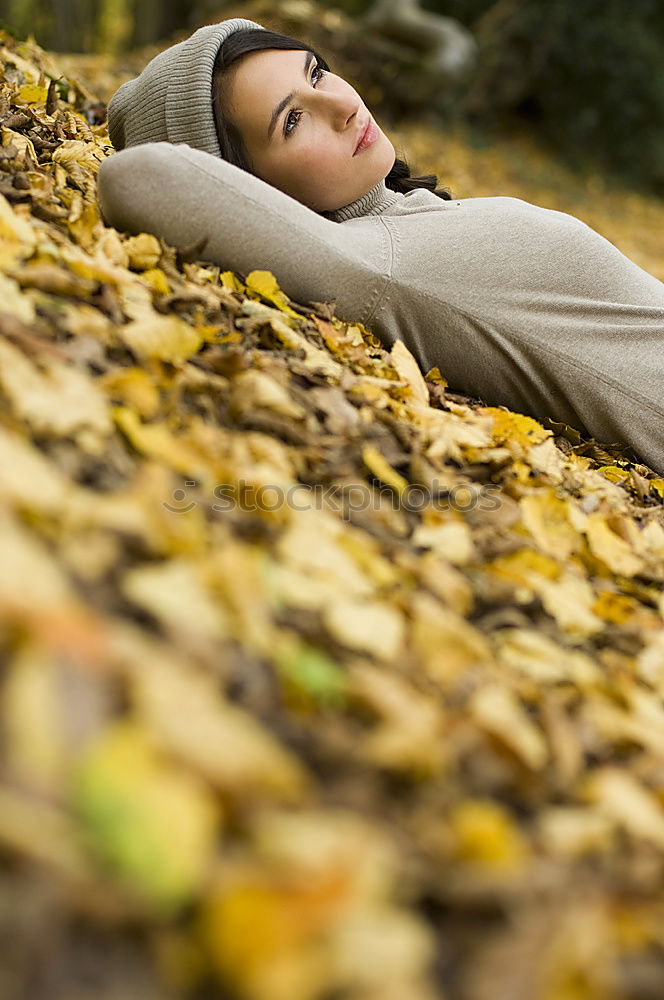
(171, 100)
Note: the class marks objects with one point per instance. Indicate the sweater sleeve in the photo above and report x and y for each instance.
(182, 194)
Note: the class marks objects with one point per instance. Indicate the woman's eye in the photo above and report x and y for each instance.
(287, 130)
(315, 79)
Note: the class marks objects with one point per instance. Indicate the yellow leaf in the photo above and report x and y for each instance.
(59, 399)
(314, 357)
(253, 389)
(569, 831)
(144, 252)
(450, 536)
(499, 711)
(96, 268)
(31, 94)
(521, 471)
(174, 592)
(112, 247)
(155, 440)
(353, 331)
(30, 479)
(370, 393)
(650, 661)
(450, 433)
(433, 375)
(545, 515)
(613, 473)
(370, 626)
(570, 600)
(631, 806)
(165, 337)
(191, 719)
(546, 457)
(235, 337)
(17, 237)
(14, 301)
(408, 369)
(411, 735)
(133, 386)
(447, 583)
(230, 280)
(79, 152)
(312, 544)
(381, 468)
(536, 655)
(294, 586)
(258, 939)
(271, 920)
(616, 608)
(26, 157)
(564, 430)
(37, 595)
(516, 428)
(264, 283)
(34, 733)
(54, 280)
(43, 832)
(610, 548)
(400, 945)
(27, 67)
(487, 835)
(448, 645)
(524, 567)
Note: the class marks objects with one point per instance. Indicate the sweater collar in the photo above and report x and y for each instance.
(376, 201)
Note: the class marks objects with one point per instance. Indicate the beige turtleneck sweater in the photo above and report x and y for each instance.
(517, 305)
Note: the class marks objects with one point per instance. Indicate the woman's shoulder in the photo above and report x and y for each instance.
(510, 213)
(512, 204)
(424, 200)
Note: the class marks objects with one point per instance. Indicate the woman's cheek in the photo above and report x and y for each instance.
(314, 157)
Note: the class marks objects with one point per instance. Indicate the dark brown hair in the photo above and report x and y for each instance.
(233, 149)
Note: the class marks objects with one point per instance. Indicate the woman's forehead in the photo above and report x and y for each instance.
(261, 81)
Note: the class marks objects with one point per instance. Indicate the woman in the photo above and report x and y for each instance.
(244, 138)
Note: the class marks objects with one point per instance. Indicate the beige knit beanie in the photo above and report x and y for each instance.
(171, 100)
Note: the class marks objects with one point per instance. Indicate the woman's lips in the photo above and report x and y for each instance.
(369, 137)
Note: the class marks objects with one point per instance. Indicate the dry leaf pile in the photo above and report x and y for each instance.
(319, 681)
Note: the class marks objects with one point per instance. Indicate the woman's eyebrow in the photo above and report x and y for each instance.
(287, 99)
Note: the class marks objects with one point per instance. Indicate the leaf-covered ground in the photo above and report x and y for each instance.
(319, 681)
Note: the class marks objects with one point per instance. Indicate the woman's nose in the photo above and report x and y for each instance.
(341, 109)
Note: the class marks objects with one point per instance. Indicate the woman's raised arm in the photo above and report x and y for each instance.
(182, 194)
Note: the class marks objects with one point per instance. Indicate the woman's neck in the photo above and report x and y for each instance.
(376, 201)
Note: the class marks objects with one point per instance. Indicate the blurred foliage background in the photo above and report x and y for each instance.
(588, 78)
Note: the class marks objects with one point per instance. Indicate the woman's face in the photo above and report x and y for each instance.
(301, 127)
